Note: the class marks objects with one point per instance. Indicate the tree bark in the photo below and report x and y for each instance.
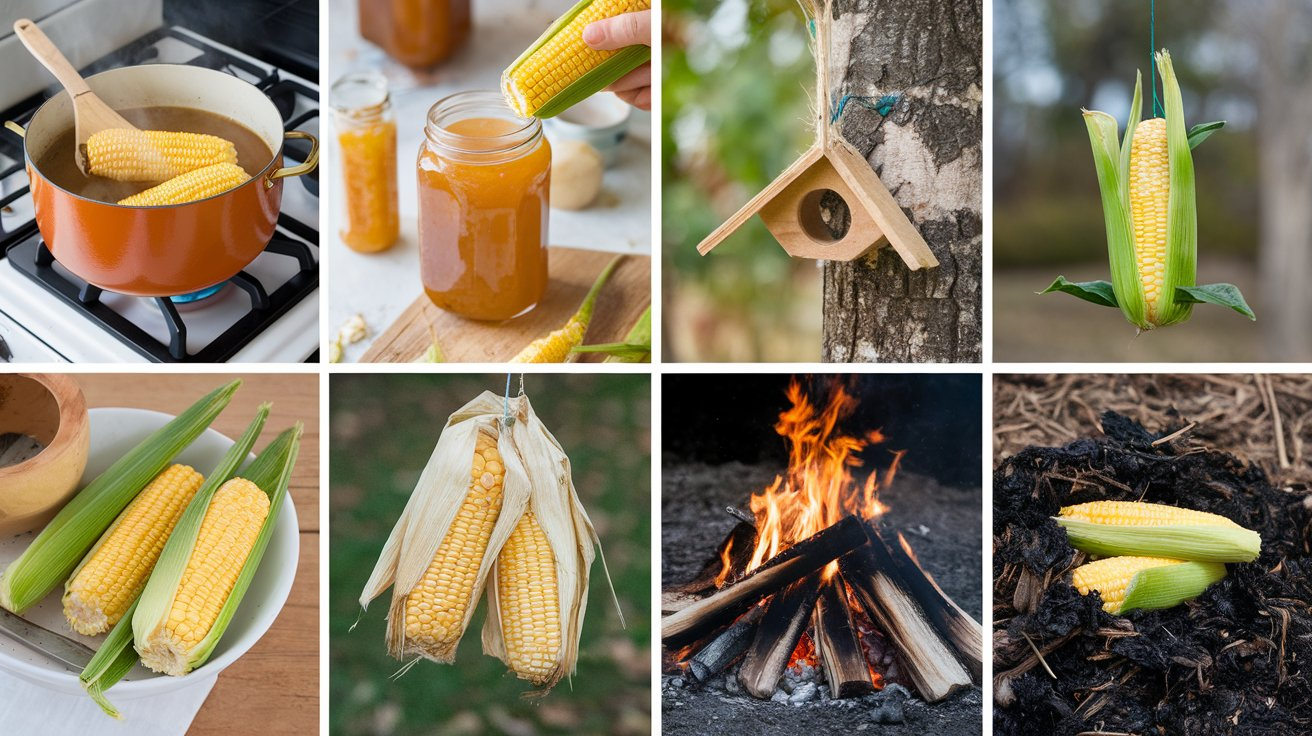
(928, 152)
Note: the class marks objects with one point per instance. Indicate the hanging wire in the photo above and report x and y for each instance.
(506, 419)
(1152, 61)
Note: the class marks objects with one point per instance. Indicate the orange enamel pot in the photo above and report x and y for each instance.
(173, 249)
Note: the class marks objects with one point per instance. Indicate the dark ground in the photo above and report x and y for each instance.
(693, 497)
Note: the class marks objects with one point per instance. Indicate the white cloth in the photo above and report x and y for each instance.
(28, 708)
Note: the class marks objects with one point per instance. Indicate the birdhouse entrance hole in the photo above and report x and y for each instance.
(824, 216)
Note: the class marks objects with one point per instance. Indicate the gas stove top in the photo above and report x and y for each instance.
(267, 313)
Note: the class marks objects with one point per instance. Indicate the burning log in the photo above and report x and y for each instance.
(728, 563)
(962, 631)
(845, 665)
(798, 561)
(930, 662)
(726, 648)
(786, 616)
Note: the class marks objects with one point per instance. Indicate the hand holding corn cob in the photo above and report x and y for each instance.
(560, 69)
(1156, 556)
(1149, 207)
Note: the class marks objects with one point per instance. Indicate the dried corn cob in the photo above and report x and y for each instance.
(1149, 208)
(115, 570)
(556, 346)
(530, 609)
(125, 154)
(1111, 528)
(191, 186)
(1129, 583)
(559, 69)
(535, 561)
(232, 523)
(436, 610)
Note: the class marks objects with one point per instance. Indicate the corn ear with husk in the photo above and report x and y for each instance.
(115, 657)
(1132, 583)
(1133, 528)
(63, 543)
(210, 560)
(495, 508)
(558, 345)
(1150, 213)
(559, 70)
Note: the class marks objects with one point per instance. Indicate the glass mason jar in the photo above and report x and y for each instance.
(418, 33)
(366, 137)
(484, 174)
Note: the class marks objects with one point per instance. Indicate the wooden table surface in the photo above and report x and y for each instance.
(273, 688)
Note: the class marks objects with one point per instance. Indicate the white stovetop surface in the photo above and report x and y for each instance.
(380, 286)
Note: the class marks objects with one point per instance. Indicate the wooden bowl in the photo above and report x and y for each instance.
(52, 410)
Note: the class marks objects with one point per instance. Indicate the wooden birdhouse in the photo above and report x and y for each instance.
(794, 206)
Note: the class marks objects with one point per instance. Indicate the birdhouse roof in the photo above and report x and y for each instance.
(869, 193)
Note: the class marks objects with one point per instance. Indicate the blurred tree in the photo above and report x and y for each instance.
(1283, 30)
(927, 150)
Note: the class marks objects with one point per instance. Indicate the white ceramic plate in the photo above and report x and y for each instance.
(113, 433)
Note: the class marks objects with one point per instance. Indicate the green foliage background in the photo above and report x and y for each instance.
(383, 429)
(736, 87)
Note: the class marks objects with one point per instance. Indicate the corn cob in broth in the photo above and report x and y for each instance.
(127, 154)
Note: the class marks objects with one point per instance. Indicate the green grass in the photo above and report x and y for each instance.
(383, 428)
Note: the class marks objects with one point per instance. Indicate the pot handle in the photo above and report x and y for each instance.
(311, 161)
(16, 129)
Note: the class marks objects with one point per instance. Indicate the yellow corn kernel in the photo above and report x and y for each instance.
(1138, 513)
(563, 59)
(227, 534)
(1111, 577)
(556, 346)
(435, 610)
(1150, 193)
(127, 154)
(529, 602)
(115, 570)
(191, 186)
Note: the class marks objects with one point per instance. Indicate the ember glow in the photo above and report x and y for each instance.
(818, 488)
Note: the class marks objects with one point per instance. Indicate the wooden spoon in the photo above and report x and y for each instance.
(90, 113)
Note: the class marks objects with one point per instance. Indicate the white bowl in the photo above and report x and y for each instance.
(113, 433)
(600, 120)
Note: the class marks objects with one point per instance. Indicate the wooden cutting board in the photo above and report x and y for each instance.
(622, 300)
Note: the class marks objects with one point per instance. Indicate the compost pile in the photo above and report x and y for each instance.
(1237, 660)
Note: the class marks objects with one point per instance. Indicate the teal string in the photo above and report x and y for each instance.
(882, 105)
(1152, 62)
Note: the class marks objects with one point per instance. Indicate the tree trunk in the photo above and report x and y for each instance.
(1284, 105)
(928, 152)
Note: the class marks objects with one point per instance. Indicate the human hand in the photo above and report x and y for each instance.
(626, 29)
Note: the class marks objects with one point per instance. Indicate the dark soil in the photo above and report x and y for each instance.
(1233, 661)
(942, 524)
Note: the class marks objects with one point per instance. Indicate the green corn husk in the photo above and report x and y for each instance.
(603, 75)
(271, 472)
(1170, 585)
(1198, 543)
(60, 547)
(115, 657)
(1112, 163)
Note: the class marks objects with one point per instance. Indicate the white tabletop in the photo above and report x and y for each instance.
(381, 286)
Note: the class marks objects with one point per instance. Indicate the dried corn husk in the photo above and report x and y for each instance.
(537, 477)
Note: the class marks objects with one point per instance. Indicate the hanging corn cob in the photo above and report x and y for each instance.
(127, 154)
(1150, 212)
(191, 186)
(559, 70)
(1130, 583)
(1111, 528)
(495, 507)
(115, 570)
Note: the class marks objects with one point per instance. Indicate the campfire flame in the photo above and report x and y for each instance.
(818, 489)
